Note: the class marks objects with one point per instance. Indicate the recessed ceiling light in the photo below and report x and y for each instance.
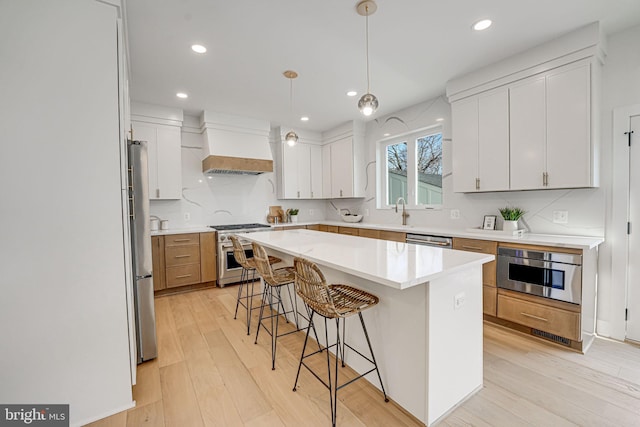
(439, 119)
(182, 95)
(198, 48)
(352, 93)
(304, 119)
(387, 134)
(482, 24)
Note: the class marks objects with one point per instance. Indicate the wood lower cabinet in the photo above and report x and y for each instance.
(554, 317)
(183, 260)
(367, 232)
(351, 231)
(489, 293)
(157, 256)
(332, 229)
(394, 236)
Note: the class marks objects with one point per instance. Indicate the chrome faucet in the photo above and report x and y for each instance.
(405, 214)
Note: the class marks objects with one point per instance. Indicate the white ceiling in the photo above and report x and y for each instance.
(415, 47)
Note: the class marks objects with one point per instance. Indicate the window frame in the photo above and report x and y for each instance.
(382, 178)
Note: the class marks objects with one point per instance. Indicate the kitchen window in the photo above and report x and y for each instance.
(410, 166)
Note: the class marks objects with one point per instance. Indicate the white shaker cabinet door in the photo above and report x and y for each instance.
(568, 128)
(342, 168)
(315, 157)
(527, 134)
(145, 132)
(304, 171)
(326, 171)
(289, 171)
(493, 141)
(169, 162)
(465, 145)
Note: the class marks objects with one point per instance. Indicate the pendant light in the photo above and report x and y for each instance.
(291, 137)
(368, 104)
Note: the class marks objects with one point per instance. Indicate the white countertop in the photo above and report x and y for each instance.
(577, 242)
(394, 264)
(196, 229)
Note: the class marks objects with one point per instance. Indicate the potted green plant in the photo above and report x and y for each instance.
(293, 213)
(511, 217)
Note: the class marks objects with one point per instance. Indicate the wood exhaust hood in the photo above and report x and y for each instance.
(235, 145)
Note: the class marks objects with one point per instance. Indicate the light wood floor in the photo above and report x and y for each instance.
(210, 373)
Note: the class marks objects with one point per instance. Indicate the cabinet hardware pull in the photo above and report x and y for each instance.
(477, 183)
(182, 256)
(183, 276)
(340, 193)
(181, 240)
(534, 317)
(157, 193)
(298, 194)
(312, 194)
(472, 248)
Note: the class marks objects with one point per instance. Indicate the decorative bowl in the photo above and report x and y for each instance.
(351, 218)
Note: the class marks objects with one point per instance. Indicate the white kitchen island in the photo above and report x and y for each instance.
(426, 331)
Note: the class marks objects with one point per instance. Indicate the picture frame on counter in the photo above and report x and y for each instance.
(489, 222)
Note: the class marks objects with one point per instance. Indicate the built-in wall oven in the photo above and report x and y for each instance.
(229, 271)
(546, 274)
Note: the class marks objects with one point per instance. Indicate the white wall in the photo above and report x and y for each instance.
(224, 199)
(621, 87)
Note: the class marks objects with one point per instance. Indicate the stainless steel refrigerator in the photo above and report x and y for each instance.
(147, 346)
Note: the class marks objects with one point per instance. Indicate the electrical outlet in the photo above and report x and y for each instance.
(455, 213)
(560, 217)
(366, 212)
(310, 212)
(458, 300)
(187, 216)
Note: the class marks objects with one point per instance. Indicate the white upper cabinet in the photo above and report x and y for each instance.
(326, 171)
(569, 155)
(301, 171)
(481, 142)
(165, 164)
(529, 122)
(342, 168)
(551, 130)
(527, 133)
(315, 156)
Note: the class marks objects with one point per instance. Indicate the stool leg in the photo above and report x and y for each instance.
(334, 416)
(304, 347)
(250, 299)
(239, 293)
(274, 333)
(294, 306)
(264, 300)
(373, 357)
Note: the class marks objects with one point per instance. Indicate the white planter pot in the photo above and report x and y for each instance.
(294, 218)
(510, 225)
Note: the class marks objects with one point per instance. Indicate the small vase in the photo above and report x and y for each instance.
(510, 225)
(294, 218)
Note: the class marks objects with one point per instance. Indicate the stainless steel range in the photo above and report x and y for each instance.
(229, 271)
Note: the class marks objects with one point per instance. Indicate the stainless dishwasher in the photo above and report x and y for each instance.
(430, 240)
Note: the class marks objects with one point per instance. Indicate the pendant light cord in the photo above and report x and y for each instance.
(367, 43)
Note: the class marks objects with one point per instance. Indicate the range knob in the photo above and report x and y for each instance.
(223, 237)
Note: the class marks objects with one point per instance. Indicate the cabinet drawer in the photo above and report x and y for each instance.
(394, 236)
(549, 319)
(474, 245)
(182, 255)
(181, 239)
(482, 246)
(333, 229)
(348, 230)
(489, 300)
(183, 275)
(367, 232)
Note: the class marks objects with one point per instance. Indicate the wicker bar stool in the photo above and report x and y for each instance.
(337, 302)
(248, 270)
(274, 280)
